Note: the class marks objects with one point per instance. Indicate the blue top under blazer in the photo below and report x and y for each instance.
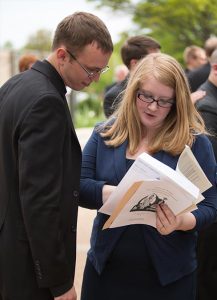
(173, 255)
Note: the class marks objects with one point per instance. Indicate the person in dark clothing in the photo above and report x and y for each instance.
(120, 74)
(199, 76)
(207, 241)
(40, 160)
(132, 51)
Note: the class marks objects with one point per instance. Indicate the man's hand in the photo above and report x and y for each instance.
(198, 95)
(69, 295)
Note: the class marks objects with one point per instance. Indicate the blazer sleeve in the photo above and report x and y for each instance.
(41, 170)
(90, 187)
(207, 209)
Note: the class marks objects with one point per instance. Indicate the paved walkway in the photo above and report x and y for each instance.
(85, 221)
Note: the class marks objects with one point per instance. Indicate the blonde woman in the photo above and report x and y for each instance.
(139, 261)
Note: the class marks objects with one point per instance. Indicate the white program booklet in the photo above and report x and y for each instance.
(149, 182)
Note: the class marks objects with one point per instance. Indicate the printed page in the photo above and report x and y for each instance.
(146, 168)
(138, 206)
(190, 168)
(137, 172)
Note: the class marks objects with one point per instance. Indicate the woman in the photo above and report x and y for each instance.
(139, 261)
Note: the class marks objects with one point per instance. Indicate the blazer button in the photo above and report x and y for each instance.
(73, 229)
(75, 193)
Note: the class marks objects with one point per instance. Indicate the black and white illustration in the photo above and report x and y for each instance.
(148, 203)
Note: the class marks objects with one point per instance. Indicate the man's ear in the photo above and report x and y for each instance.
(214, 67)
(133, 63)
(61, 54)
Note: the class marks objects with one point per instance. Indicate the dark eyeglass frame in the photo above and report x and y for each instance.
(150, 99)
(89, 74)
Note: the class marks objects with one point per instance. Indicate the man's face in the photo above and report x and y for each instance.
(198, 59)
(85, 68)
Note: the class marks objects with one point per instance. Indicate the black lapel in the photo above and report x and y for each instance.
(120, 160)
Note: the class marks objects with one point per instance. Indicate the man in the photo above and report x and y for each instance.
(132, 51)
(40, 160)
(194, 57)
(207, 242)
(199, 75)
(120, 74)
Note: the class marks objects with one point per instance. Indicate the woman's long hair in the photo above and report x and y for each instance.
(180, 125)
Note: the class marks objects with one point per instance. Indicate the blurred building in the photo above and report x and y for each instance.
(9, 61)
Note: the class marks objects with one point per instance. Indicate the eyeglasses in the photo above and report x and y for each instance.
(89, 73)
(165, 103)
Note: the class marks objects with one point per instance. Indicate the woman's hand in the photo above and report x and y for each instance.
(167, 222)
(106, 192)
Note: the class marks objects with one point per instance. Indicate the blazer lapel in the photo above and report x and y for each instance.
(120, 160)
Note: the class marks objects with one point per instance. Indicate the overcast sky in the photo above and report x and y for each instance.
(21, 18)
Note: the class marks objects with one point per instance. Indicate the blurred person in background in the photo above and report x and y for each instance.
(199, 75)
(134, 48)
(120, 74)
(194, 57)
(207, 242)
(26, 61)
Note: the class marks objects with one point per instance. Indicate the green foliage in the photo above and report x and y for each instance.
(88, 112)
(8, 45)
(40, 41)
(174, 23)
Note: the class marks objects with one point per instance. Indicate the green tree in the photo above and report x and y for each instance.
(174, 23)
(8, 45)
(41, 41)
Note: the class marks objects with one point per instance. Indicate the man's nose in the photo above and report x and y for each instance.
(96, 78)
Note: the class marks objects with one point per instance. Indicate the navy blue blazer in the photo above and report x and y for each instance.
(173, 255)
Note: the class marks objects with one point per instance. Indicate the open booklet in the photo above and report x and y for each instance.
(149, 182)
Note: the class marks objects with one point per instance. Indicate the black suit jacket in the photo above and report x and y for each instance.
(207, 240)
(113, 97)
(198, 76)
(40, 160)
(208, 109)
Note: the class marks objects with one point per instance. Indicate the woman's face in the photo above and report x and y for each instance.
(151, 114)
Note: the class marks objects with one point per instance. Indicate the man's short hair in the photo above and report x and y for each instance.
(213, 58)
(210, 45)
(137, 47)
(81, 29)
(191, 52)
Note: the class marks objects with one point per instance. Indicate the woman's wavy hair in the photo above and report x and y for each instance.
(180, 125)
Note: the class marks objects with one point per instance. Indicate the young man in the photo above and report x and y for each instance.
(40, 160)
(134, 48)
(199, 75)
